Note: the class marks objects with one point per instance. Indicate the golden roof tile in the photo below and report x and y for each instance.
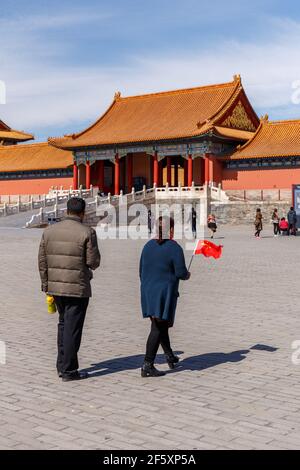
(7, 133)
(272, 139)
(27, 157)
(157, 116)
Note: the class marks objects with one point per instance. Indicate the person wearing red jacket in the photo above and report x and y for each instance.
(283, 226)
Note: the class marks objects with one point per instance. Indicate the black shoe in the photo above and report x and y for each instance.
(172, 360)
(148, 370)
(59, 374)
(77, 376)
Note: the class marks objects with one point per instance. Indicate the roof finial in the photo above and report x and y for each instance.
(265, 118)
(237, 78)
(117, 95)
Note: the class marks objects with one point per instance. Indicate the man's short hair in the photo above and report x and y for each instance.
(76, 205)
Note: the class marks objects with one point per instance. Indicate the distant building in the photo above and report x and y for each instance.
(162, 137)
(204, 134)
(10, 136)
(34, 168)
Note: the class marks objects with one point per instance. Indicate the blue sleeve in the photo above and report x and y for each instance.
(141, 265)
(180, 268)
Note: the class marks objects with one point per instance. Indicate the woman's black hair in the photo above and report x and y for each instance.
(165, 224)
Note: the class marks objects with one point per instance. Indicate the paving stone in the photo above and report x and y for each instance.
(227, 392)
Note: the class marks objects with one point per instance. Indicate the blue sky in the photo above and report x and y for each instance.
(63, 60)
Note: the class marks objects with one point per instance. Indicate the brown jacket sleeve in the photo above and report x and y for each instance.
(43, 266)
(93, 256)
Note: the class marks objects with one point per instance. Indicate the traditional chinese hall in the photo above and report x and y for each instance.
(207, 134)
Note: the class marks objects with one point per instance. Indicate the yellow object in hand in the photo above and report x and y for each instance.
(51, 304)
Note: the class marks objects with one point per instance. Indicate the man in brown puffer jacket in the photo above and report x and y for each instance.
(68, 253)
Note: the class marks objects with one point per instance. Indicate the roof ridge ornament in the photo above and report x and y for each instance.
(237, 78)
(117, 95)
(265, 118)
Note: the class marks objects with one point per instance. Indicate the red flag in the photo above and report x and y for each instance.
(206, 248)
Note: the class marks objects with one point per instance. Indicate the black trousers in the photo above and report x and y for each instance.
(292, 229)
(194, 229)
(276, 229)
(72, 312)
(159, 335)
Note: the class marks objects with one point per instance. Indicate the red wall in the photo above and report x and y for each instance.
(260, 179)
(216, 171)
(34, 186)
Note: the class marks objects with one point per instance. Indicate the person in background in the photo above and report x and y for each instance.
(100, 193)
(258, 223)
(149, 221)
(67, 255)
(284, 226)
(162, 265)
(275, 221)
(194, 222)
(212, 224)
(292, 221)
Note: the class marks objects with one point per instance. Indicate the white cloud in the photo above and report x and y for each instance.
(41, 95)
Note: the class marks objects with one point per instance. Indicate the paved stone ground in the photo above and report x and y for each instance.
(226, 394)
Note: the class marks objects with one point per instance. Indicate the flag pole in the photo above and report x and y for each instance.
(191, 261)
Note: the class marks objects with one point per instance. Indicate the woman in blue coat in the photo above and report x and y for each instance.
(162, 265)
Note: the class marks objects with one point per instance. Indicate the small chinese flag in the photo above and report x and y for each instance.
(206, 248)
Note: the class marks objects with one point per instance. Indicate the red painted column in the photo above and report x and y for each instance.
(169, 171)
(155, 169)
(160, 173)
(117, 175)
(176, 174)
(75, 176)
(101, 175)
(206, 169)
(185, 172)
(190, 170)
(129, 172)
(87, 175)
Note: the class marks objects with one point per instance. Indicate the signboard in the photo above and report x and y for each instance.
(296, 201)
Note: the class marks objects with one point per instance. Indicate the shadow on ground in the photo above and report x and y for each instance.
(193, 363)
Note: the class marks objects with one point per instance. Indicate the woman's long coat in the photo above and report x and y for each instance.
(161, 268)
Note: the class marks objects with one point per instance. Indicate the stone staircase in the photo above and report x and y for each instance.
(102, 209)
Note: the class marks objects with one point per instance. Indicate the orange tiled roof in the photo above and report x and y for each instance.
(27, 157)
(157, 116)
(236, 134)
(272, 139)
(6, 133)
(15, 135)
